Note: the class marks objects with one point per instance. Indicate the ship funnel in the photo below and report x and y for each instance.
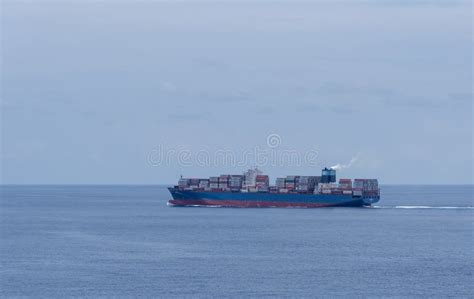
(328, 175)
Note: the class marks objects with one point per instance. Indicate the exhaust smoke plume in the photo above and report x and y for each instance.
(341, 166)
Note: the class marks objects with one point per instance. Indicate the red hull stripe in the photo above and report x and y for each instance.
(245, 204)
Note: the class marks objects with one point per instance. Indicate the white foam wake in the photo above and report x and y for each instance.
(421, 207)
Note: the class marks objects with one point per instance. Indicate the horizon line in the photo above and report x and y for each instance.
(173, 184)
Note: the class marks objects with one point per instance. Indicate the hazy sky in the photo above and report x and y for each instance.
(91, 89)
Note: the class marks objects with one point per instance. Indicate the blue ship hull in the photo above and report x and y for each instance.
(265, 199)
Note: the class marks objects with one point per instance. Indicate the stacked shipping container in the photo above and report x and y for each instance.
(306, 183)
(224, 182)
(262, 182)
(290, 182)
(235, 182)
(345, 183)
(214, 182)
(252, 181)
(280, 183)
(366, 187)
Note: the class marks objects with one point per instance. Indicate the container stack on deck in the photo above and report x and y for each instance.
(290, 182)
(235, 182)
(183, 183)
(345, 185)
(280, 185)
(254, 181)
(224, 182)
(194, 183)
(262, 182)
(307, 184)
(325, 188)
(214, 183)
(204, 184)
(366, 187)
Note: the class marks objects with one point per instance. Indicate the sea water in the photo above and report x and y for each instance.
(61, 241)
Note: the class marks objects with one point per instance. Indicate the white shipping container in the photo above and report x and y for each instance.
(280, 182)
(183, 182)
(303, 188)
(203, 184)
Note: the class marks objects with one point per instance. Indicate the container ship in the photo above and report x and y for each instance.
(253, 190)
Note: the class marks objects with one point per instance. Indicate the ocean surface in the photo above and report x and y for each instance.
(61, 241)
